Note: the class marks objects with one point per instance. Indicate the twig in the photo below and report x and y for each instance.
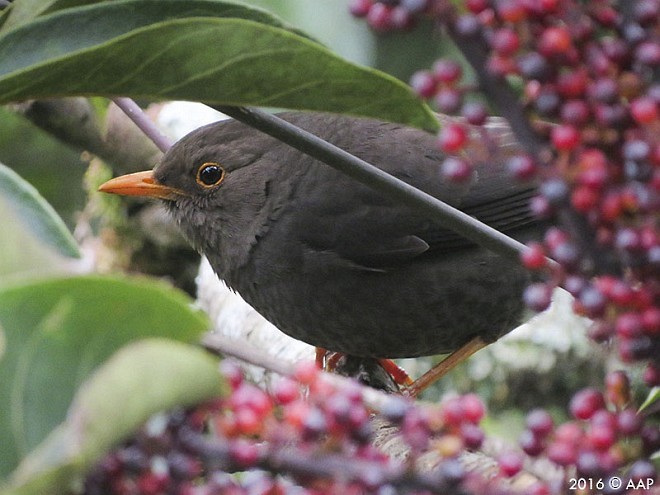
(137, 115)
(219, 344)
(374, 177)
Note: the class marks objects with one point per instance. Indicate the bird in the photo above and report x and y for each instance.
(333, 262)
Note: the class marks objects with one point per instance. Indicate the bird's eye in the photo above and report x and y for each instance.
(210, 174)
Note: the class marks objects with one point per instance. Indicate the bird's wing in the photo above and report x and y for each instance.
(353, 221)
(362, 227)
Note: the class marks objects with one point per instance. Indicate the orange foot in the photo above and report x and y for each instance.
(386, 374)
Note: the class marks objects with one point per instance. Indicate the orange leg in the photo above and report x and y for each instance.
(441, 369)
(397, 373)
(320, 356)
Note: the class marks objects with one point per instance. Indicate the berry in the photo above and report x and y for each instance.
(522, 167)
(379, 17)
(360, 8)
(473, 408)
(644, 110)
(452, 138)
(586, 402)
(533, 258)
(510, 463)
(474, 113)
(538, 296)
(505, 41)
(565, 137)
(554, 41)
(447, 71)
(448, 100)
(423, 83)
(456, 170)
(539, 422)
(530, 443)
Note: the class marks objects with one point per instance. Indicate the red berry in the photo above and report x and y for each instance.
(505, 41)
(629, 422)
(522, 167)
(456, 170)
(584, 199)
(249, 396)
(572, 84)
(447, 71)
(586, 402)
(651, 321)
(453, 412)
(644, 110)
(473, 408)
(232, 372)
(648, 53)
(286, 391)
(533, 258)
(476, 6)
(530, 443)
(510, 11)
(306, 372)
(500, 66)
(360, 8)
(474, 113)
(510, 463)
(244, 453)
(448, 100)
(569, 433)
(575, 112)
(539, 422)
(379, 17)
(601, 437)
(565, 137)
(554, 237)
(562, 453)
(651, 375)
(554, 41)
(628, 325)
(452, 138)
(423, 83)
(472, 435)
(538, 296)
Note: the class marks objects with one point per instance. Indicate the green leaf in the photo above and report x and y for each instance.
(36, 213)
(139, 380)
(57, 332)
(22, 11)
(184, 50)
(652, 398)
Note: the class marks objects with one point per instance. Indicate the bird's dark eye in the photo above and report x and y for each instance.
(210, 174)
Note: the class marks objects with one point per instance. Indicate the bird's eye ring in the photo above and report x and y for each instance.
(210, 174)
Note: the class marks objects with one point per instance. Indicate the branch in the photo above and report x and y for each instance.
(146, 125)
(374, 177)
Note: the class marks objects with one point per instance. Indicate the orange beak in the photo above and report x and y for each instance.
(140, 184)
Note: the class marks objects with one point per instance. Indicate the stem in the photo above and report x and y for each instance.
(374, 177)
(146, 125)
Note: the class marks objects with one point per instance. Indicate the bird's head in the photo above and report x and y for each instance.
(214, 183)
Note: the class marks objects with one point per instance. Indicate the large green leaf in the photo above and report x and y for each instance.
(56, 332)
(186, 50)
(36, 213)
(141, 379)
(22, 11)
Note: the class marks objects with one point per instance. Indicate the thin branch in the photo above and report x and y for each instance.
(374, 177)
(137, 115)
(221, 345)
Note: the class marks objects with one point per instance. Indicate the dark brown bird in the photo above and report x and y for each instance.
(332, 262)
